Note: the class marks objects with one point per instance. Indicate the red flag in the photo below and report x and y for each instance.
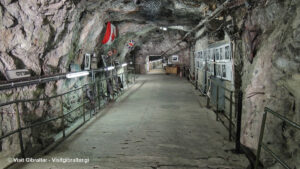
(110, 34)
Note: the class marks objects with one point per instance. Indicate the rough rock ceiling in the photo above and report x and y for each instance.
(46, 35)
(162, 12)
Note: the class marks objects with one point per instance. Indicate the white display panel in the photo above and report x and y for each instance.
(218, 59)
(227, 53)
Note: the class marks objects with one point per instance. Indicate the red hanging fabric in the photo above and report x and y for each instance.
(107, 33)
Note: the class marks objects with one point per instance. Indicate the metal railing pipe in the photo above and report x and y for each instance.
(20, 130)
(217, 103)
(230, 116)
(62, 114)
(261, 135)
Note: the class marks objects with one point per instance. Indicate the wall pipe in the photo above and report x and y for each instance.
(38, 80)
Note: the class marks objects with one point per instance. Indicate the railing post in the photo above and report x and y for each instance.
(261, 135)
(208, 97)
(99, 93)
(132, 76)
(19, 130)
(62, 115)
(122, 80)
(230, 116)
(94, 99)
(239, 122)
(196, 78)
(113, 90)
(207, 102)
(217, 103)
(83, 105)
(135, 74)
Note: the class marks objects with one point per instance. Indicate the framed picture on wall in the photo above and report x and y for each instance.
(201, 55)
(87, 61)
(224, 71)
(218, 70)
(227, 52)
(217, 54)
(175, 58)
(221, 53)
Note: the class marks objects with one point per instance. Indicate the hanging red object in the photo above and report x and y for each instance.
(110, 34)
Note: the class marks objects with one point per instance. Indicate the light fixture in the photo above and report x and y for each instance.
(77, 74)
(163, 28)
(124, 64)
(110, 68)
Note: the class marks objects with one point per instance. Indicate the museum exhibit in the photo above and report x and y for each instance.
(150, 84)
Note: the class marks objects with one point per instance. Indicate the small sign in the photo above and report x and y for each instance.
(87, 61)
(131, 44)
(175, 58)
(17, 74)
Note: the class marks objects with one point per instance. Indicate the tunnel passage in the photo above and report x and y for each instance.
(69, 69)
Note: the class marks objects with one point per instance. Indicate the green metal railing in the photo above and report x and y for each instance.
(238, 112)
(261, 135)
(96, 84)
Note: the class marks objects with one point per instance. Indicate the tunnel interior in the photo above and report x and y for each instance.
(65, 64)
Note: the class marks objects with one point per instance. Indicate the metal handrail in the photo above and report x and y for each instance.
(40, 79)
(230, 99)
(58, 95)
(62, 116)
(261, 135)
(238, 112)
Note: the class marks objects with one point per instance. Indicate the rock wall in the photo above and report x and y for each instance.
(269, 79)
(265, 36)
(45, 36)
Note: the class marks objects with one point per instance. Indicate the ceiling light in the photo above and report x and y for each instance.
(163, 28)
(78, 74)
(124, 64)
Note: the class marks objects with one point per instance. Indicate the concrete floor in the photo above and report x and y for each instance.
(158, 123)
(156, 71)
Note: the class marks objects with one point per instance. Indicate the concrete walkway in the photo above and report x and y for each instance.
(157, 124)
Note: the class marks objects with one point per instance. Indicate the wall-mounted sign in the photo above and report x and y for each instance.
(110, 34)
(175, 58)
(219, 62)
(87, 61)
(131, 44)
(17, 74)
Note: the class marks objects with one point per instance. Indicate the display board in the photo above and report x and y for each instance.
(218, 60)
(17, 74)
(87, 61)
